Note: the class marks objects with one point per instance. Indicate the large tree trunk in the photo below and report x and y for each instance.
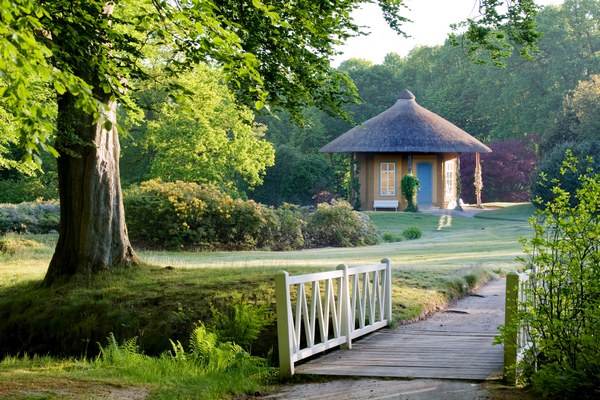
(93, 235)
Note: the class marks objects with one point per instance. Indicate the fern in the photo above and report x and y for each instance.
(208, 352)
(241, 322)
(178, 352)
(114, 353)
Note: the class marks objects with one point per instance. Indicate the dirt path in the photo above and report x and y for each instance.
(482, 311)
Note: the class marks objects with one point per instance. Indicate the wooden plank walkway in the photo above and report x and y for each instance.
(453, 344)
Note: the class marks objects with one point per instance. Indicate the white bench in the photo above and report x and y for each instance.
(385, 204)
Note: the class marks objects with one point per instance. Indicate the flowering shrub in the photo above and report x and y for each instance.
(186, 215)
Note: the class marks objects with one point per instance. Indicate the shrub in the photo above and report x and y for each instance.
(408, 187)
(29, 188)
(391, 237)
(186, 215)
(339, 225)
(12, 244)
(36, 217)
(182, 214)
(506, 171)
(285, 228)
(411, 233)
(561, 310)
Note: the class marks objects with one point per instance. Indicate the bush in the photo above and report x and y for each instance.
(187, 215)
(284, 229)
(561, 310)
(11, 245)
(36, 217)
(293, 178)
(339, 225)
(549, 169)
(23, 188)
(178, 215)
(506, 171)
(412, 233)
(391, 237)
(409, 186)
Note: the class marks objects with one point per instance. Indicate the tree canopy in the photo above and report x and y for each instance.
(93, 53)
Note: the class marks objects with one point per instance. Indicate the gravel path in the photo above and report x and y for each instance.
(482, 311)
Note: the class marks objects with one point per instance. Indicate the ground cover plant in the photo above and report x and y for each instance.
(165, 302)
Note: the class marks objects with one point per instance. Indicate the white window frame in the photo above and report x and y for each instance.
(386, 169)
(450, 177)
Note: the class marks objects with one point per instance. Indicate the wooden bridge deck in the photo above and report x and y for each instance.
(453, 344)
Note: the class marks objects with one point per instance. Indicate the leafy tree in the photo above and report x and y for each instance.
(211, 138)
(92, 53)
(579, 116)
(307, 137)
(506, 171)
(19, 181)
(550, 171)
(585, 104)
(294, 178)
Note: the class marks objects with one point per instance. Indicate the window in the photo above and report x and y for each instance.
(450, 178)
(387, 179)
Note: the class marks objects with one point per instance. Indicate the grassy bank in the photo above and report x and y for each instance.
(156, 303)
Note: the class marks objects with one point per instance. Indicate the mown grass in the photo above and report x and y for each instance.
(156, 303)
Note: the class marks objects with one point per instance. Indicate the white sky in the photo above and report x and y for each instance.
(430, 27)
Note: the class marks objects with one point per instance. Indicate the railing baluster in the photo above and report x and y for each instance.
(313, 312)
(331, 308)
(285, 337)
(310, 342)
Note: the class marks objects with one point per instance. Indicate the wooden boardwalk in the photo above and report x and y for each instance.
(453, 344)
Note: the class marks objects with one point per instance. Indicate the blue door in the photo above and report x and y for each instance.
(425, 176)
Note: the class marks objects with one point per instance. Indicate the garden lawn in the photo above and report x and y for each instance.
(156, 303)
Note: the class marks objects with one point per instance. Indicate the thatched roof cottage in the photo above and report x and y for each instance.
(404, 139)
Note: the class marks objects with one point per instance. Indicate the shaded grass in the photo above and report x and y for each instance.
(157, 304)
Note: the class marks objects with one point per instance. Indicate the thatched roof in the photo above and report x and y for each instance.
(406, 127)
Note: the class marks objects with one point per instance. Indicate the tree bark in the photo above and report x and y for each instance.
(93, 235)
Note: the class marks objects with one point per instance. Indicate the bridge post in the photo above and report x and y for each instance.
(511, 344)
(388, 290)
(285, 328)
(346, 316)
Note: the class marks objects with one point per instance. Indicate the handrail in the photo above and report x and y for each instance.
(518, 342)
(337, 307)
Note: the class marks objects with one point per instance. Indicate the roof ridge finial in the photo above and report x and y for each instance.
(406, 95)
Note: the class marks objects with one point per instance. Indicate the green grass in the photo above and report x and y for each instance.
(157, 304)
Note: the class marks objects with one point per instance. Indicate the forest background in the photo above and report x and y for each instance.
(528, 111)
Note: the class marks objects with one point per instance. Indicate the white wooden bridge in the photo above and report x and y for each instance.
(453, 344)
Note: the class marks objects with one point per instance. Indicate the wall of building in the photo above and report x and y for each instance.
(369, 176)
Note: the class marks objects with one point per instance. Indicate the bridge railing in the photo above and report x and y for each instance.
(518, 342)
(316, 312)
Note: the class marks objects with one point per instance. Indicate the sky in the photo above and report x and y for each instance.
(430, 27)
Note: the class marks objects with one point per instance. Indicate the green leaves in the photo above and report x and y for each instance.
(561, 308)
(213, 139)
(497, 30)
